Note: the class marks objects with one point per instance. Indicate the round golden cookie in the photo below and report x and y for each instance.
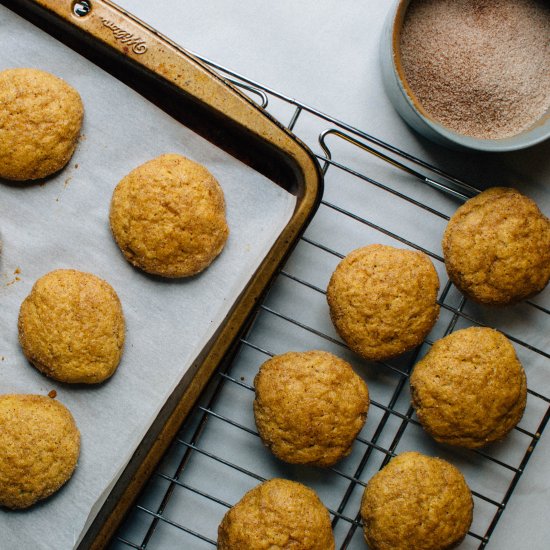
(497, 247)
(416, 503)
(71, 327)
(168, 217)
(277, 515)
(470, 388)
(309, 407)
(382, 300)
(39, 448)
(40, 121)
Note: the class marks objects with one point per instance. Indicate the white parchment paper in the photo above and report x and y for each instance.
(63, 223)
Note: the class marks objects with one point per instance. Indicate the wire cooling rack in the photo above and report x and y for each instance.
(218, 455)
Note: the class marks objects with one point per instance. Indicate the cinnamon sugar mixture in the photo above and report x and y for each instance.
(479, 67)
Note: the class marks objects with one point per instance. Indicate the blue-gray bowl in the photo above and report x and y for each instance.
(411, 110)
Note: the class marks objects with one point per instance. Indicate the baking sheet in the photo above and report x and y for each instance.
(63, 223)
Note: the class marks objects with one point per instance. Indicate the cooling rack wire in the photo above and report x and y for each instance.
(217, 455)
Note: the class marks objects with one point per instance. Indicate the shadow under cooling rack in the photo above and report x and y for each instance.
(373, 193)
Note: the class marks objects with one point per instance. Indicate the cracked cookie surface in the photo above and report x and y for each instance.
(39, 448)
(470, 388)
(71, 327)
(309, 407)
(40, 120)
(497, 247)
(382, 300)
(168, 217)
(277, 515)
(416, 502)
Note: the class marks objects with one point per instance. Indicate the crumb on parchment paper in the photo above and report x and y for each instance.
(11, 280)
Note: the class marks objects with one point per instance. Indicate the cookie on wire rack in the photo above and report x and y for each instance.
(383, 300)
(470, 389)
(497, 247)
(277, 514)
(309, 407)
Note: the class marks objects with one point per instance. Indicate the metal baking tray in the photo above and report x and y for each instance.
(198, 98)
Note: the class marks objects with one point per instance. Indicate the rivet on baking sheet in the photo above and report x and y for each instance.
(82, 8)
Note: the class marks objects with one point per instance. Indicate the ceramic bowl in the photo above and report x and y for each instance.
(411, 111)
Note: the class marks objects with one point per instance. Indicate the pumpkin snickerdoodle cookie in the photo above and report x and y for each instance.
(416, 503)
(497, 247)
(168, 217)
(40, 121)
(71, 327)
(280, 515)
(382, 300)
(39, 448)
(470, 388)
(309, 407)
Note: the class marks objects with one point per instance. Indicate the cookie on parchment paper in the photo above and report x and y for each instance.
(40, 120)
(39, 448)
(168, 217)
(71, 327)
